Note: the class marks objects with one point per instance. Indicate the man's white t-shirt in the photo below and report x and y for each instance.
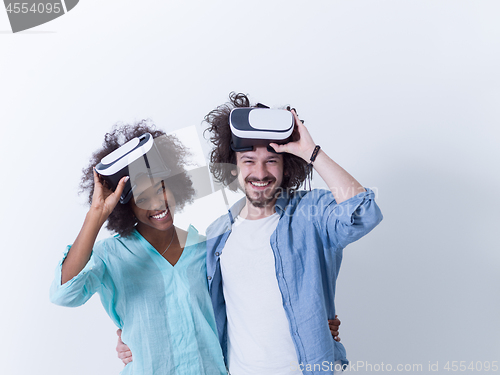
(259, 339)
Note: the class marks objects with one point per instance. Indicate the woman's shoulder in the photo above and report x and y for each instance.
(193, 236)
(114, 242)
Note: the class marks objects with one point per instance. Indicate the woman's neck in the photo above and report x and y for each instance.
(160, 240)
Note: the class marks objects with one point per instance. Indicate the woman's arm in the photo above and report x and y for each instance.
(103, 203)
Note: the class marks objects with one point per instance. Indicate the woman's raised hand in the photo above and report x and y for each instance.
(104, 200)
(103, 203)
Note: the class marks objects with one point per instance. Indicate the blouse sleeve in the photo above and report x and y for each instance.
(80, 288)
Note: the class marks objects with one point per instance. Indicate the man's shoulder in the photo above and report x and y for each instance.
(224, 222)
(308, 197)
(219, 226)
(316, 194)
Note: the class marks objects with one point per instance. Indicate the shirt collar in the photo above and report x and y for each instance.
(282, 202)
(236, 208)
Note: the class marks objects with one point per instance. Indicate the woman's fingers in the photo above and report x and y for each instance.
(98, 196)
(334, 324)
(97, 182)
(105, 199)
(121, 186)
(113, 197)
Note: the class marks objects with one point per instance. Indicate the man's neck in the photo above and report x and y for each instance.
(250, 212)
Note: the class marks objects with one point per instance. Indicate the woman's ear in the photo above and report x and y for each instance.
(234, 172)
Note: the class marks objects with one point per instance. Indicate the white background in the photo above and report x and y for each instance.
(404, 94)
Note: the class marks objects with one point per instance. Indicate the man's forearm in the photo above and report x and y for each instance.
(342, 185)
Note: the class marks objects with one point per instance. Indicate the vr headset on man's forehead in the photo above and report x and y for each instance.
(259, 126)
(138, 158)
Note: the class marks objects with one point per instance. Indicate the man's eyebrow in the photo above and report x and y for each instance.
(247, 157)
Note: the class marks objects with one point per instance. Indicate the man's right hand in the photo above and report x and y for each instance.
(122, 349)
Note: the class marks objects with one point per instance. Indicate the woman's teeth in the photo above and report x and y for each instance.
(160, 215)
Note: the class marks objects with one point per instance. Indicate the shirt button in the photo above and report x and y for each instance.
(217, 254)
(209, 277)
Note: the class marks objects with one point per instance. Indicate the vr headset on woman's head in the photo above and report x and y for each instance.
(259, 126)
(137, 158)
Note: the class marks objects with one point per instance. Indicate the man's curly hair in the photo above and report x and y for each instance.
(122, 220)
(295, 168)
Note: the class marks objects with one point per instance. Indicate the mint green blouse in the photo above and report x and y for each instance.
(164, 311)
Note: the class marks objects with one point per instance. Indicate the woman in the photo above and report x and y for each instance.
(151, 276)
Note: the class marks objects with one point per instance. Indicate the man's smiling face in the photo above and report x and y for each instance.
(260, 174)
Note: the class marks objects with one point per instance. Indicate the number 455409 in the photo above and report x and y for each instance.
(471, 366)
(35, 8)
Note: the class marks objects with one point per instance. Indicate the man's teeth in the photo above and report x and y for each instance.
(161, 215)
(260, 184)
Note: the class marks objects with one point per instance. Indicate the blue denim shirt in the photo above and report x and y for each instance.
(307, 244)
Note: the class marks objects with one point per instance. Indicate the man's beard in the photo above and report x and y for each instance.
(263, 199)
(260, 202)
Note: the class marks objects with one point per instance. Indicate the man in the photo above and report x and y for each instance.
(273, 260)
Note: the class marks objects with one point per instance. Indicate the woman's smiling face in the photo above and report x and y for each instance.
(153, 206)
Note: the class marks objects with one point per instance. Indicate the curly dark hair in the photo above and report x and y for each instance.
(295, 168)
(122, 220)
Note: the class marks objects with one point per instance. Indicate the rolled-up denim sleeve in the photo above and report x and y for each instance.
(352, 219)
(80, 288)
